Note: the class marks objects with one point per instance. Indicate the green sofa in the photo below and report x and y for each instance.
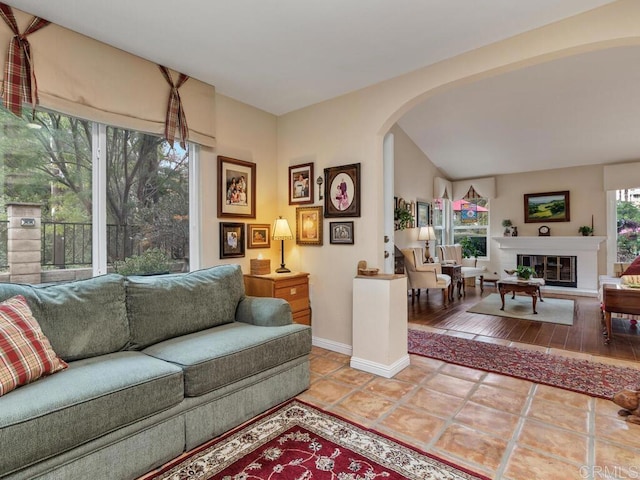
(157, 366)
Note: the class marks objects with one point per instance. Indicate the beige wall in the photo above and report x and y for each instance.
(350, 129)
(250, 134)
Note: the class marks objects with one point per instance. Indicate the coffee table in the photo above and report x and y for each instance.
(529, 287)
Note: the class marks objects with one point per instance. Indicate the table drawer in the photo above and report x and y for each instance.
(303, 317)
(292, 292)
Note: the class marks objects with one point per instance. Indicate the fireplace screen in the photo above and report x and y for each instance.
(557, 270)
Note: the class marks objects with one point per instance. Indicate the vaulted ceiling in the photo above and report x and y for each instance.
(282, 55)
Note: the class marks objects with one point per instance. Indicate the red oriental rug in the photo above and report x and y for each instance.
(298, 441)
(582, 376)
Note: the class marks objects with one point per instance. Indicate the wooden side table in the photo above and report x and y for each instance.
(618, 299)
(455, 272)
(292, 287)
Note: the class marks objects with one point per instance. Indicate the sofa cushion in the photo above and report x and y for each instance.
(25, 353)
(225, 354)
(167, 306)
(81, 319)
(65, 410)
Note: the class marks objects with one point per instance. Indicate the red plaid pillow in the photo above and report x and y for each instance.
(25, 352)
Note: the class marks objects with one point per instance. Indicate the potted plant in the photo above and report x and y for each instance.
(524, 273)
(507, 227)
(403, 218)
(585, 230)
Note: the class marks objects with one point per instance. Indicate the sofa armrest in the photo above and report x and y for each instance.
(264, 311)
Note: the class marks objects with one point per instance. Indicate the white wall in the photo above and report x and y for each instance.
(350, 129)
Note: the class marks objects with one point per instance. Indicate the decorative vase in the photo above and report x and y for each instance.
(507, 232)
(514, 231)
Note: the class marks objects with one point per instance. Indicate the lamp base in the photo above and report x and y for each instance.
(283, 269)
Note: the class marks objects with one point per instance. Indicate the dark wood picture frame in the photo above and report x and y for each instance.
(258, 235)
(236, 188)
(341, 233)
(231, 240)
(301, 184)
(547, 207)
(309, 225)
(423, 214)
(342, 191)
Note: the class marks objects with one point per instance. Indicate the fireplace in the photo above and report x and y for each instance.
(557, 270)
(584, 249)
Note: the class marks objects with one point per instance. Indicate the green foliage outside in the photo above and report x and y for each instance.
(469, 249)
(628, 214)
(153, 260)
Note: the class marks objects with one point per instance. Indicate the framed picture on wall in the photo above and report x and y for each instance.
(236, 188)
(258, 235)
(301, 184)
(231, 240)
(342, 191)
(309, 225)
(341, 233)
(546, 207)
(423, 213)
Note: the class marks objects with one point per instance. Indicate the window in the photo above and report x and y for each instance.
(471, 219)
(628, 224)
(52, 162)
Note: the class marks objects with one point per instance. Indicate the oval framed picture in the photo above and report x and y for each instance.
(342, 191)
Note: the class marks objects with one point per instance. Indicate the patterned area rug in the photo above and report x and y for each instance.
(551, 310)
(582, 376)
(297, 441)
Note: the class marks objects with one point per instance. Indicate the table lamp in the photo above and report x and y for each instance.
(427, 234)
(282, 232)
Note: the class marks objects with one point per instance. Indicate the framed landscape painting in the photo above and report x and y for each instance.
(546, 207)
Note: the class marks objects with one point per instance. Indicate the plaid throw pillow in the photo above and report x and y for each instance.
(634, 268)
(25, 352)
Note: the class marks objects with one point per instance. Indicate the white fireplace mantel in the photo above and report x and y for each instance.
(559, 244)
(584, 248)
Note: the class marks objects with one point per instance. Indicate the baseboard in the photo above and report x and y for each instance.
(331, 345)
(386, 371)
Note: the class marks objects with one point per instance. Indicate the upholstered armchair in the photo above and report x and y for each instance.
(424, 275)
(452, 254)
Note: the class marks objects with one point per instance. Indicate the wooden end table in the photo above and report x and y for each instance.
(618, 299)
(529, 287)
(455, 272)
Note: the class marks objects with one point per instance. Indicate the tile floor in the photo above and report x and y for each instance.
(502, 427)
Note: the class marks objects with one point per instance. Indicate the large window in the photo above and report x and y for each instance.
(50, 161)
(628, 224)
(471, 222)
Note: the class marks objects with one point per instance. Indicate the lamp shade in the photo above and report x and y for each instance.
(281, 230)
(427, 233)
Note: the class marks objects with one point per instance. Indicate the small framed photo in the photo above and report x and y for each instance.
(301, 184)
(423, 214)
(231, 240)
(258, 235)
(342, 191)
(341, 233)
(309, 225)
(546, 207)
(236, 188)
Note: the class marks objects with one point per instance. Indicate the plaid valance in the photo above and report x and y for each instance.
(20, 85)
(175, 112)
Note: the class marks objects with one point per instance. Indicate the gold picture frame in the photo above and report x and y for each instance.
(309, 225)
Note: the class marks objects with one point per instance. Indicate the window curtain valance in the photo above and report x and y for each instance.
(485, 187)
(87, 78)
(442, 188)
(621, 176)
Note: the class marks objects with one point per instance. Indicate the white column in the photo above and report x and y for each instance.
(380, 328)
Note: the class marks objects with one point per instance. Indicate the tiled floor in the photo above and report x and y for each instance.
(499, 426)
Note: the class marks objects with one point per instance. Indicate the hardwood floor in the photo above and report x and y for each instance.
(585, 335)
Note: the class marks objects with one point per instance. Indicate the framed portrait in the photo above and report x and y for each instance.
(309, 225)
(258, 235)
(342, 191)
(231, 240)
(236, 188)
(341, 233)
(301, 184)
(546, 207)
(423, 213)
